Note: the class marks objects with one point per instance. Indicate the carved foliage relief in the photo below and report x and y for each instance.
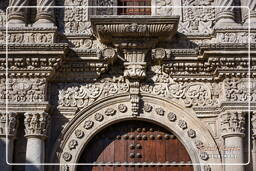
(74, 20)
(238, 89)
(23, 90)
(195, 19)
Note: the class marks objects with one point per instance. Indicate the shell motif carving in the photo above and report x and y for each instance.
(160, 111)
(98, 117)
(172, 116)
(88, 124)
(147, 108)
(182, 124)
(191, 133)
(122, 108)
(79, 133)
(72, 144)
(110, 112)
(67, 156)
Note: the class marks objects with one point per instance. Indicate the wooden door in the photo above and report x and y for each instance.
(135, 142)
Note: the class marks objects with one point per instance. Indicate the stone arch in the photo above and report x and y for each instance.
(168, 114)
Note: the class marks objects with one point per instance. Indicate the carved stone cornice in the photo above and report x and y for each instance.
(36, 124)
(9, 120)
(232, 124)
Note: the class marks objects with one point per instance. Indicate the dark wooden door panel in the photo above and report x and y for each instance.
(134, 142)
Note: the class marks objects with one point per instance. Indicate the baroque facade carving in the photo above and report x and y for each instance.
(8, 122)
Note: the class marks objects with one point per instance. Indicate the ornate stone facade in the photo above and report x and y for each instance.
(191, 70)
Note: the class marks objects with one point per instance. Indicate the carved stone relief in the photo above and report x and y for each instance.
(10, 121)
(162, 7)
(3, 6)
(238, 90)
(197, 20)
(23, 90)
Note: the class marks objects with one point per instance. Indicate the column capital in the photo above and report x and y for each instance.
(10, 121)
(232, 124)
(36, 124)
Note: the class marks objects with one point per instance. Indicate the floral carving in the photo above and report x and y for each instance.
(36, 124)
(72, 144)
(122, 108)
(199, 19)
(238, 90)
(79, 133)
(110, 112)
(10, 121)
(196, 94)
(182, 124)
(23, 90)
(172, 116)
(98, 117)
(160, 111)
(88, 124)
(77, 95)
(147, 108)
(67, 156)
(191, 133)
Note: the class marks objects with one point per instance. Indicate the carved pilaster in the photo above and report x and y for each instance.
(10, 121)
(36, 124)
(225, 16)
(232, 124)
(45, 13)
(253, 122)
(17, 12)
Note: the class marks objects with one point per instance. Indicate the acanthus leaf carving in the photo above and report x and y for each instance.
(10, 121)
(36, 124)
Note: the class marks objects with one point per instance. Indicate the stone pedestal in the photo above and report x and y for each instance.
(45, 13)
(232, 127)
(36, 129)
(17, 13)
(6, 143)
(225, 14)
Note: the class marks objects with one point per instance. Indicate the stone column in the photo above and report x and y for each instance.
(36, 129)
(253, 123)
(225, 14)
(45, 13)
(251, 4)
(232, 129)
(7, 143)
(17, 12)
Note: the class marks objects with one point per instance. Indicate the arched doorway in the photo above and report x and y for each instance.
(135, 142)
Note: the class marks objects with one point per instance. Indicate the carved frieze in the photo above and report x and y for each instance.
(238, 90)
(36, 124)
(76, 95)
(192, 94)
(23, 90)
(235, 37)
(232, 123)
(10, 121)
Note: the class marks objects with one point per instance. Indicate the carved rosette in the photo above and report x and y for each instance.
(10, 121)
(232, 124)
(36, 124)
